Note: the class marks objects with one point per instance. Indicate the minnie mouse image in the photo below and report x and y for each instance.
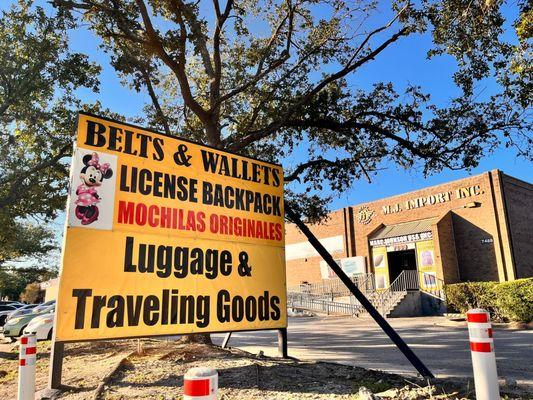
(92, 175)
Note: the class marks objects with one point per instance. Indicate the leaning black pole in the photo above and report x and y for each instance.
(398, 341)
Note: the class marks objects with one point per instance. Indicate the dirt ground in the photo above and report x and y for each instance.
(115, 370)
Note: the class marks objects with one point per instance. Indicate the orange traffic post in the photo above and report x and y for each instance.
(483, 357)
(27, 357)
(200, 384)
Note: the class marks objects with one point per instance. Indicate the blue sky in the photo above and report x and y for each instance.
(402, 64)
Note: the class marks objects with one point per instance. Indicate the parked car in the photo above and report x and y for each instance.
(43, 306)
(14, 326)
(41, 326)
(6, 309)
(25, 309)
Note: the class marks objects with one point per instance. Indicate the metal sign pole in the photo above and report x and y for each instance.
(56, 365)
(282, 343)
(398, 341)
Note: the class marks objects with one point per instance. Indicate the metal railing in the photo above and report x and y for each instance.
(306, 301)
(320, 296)
(387, 299)
(430, 284)
(335, 287)
(408, 280)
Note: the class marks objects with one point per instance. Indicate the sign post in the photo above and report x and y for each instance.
(382, 322)
(164, 237)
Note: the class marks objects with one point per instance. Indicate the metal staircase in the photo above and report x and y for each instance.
(320, 297)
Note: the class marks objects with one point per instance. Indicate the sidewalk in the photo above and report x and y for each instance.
(440, 344)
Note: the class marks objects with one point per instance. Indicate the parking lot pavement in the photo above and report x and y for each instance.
(441, 345)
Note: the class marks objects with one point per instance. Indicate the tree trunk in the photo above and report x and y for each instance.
(202, 338)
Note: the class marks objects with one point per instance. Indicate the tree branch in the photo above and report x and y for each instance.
(16, 180)
(177, 67)
(155, 101)
(273, 127)
(260, 73)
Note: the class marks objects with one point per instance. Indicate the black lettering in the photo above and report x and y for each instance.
(187, 310)
(275, 177)
(251, 308)
(95, 134)
(181, 262)
(164, 261)
(128, 143)
(114, 138)
(144, 187)
(158, 147)
(207, 193)
(128, 255)
(115, 317)
(81, 295)
(210, 161)
(237, 309)
(98, 303)
(202, 311)
(123, 178)
(276, 312)
(134, 310)
(158, 176)
(150, 311)
(223, 309)
(164, 308)
(144, 144)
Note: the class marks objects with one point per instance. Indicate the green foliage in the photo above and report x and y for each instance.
(31, 293)
(506, 301)
(22, 239)
(515, 300)
(280, 90)
(38, 79)
(14, 281)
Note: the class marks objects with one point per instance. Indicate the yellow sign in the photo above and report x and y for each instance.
(381, 267)
(427, 264)
(165, 237)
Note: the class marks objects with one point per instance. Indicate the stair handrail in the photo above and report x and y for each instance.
(431, 284)
(334, 286)
(405, 281)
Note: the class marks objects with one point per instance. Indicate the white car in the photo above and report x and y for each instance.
(41, 326)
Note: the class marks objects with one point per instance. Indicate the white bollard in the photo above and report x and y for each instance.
(27, 356)
(200, 384)
(483, 358)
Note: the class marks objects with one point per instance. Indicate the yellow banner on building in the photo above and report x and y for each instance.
(165, 237)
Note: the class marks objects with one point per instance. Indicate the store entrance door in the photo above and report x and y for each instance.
(400, 261)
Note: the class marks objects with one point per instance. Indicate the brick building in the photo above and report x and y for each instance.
(474, 229)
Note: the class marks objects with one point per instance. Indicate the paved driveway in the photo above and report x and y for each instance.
(441, 345)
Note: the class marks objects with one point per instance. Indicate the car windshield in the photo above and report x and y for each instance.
(44, 310)
(44, 306)
(23, 310)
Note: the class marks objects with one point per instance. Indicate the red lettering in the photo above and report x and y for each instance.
(153, 212)
(213, 223)
(125, 212)
(251, 227)
(166, 217)
(140, 214)
(223, 225)
(200, 222)
(279, 234)
(191, 221)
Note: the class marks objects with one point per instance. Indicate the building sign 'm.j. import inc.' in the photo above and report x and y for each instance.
(165, 236)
